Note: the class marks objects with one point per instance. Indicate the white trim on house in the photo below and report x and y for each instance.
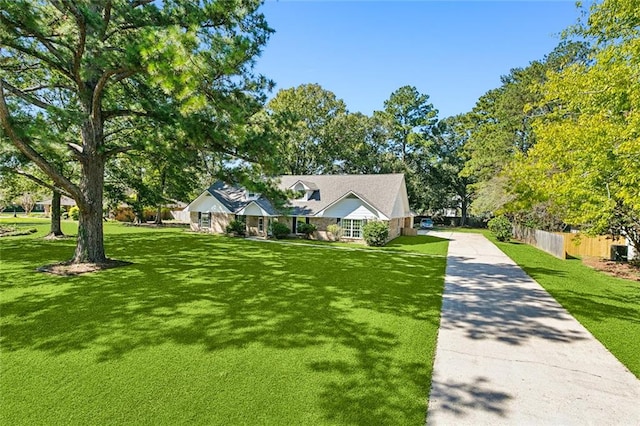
(206, 202)
(343, 207)
(302, 186)
(352, 228)
(253, 209)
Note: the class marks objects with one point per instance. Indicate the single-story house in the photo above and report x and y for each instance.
(65, 204)
(347, 200)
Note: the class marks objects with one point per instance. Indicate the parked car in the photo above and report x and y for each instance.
(426, 224)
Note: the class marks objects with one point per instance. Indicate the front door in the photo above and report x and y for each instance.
(294, 225)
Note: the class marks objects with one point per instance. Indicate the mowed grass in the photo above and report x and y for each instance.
(211, 330)
(608, 307)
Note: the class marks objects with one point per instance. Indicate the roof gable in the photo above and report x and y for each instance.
(379, 191)
(351, 206)
(206, 202)
(384, 195)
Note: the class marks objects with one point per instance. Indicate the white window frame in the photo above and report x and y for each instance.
(351, 231)
(261, 224)
(205, 223)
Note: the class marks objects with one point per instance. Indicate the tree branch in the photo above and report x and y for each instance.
(24, 31)
(31, 153)
(118, 150)
(107, 115)
(26, 96)
(35, 54)
(106, 19)
(76, 149)
(41, 182)
(120, 74)
(137, 3)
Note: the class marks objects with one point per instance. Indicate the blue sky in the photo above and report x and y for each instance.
(453, 51)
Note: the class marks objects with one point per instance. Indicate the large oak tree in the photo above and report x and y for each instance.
(100, 69)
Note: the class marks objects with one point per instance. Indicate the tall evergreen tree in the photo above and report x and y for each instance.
(100, 68)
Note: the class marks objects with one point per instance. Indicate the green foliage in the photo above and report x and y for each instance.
(407, 121)
(500, 126)
(335, 230)
(307, 229)
(408, 117)
(501, 228)
(445, 187)
(236, 227)
(375, 233)
(585, 164)
(74, 212)
(168, 79)
(279, 230)
(305, 121)
(362, 141)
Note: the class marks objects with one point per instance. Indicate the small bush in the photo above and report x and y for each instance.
(74, 212)
(150, 213)
(501, 228)
(335, 230)
(236, 227)
(375, 233)
(279, 230)
(307, 229)
(124, 214)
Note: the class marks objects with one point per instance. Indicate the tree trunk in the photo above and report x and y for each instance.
(464, 207)
(56, 228)
(90, 246)
(138, 210)
(158, 220)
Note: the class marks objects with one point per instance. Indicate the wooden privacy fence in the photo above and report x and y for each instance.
(562, 245)
(545, 241)
(581, 245)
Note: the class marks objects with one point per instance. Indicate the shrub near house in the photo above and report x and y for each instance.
(307, 229)
(236, 227)
(279, 230)
(376, 233)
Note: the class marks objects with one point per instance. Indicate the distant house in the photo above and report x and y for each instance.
(65, 204)
(348, 200)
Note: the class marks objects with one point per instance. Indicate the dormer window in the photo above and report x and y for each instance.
(304, 191)
(250, 195)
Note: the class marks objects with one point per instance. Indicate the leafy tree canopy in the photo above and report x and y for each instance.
(85, 76)
(305, 119)
(588, 151)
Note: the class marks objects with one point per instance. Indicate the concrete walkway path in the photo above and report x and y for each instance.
(508, 353)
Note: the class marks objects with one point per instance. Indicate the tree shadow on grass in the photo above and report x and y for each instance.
(219, 293)
(595, 300)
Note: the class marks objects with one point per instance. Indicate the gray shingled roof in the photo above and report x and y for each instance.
(232, 197)
(380, 191)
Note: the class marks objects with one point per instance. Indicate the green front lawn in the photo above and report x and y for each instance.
(212, 330)
(608, 307)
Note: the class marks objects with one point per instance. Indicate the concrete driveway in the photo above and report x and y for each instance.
(508, 353)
